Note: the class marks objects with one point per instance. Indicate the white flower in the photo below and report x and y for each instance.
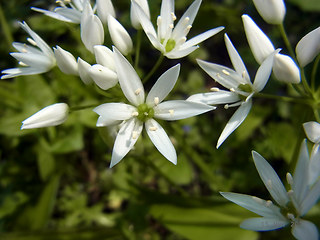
(66, 61)
(170, 40)
(83, 70)
(290, 206)
(69, 10)
(35, 59)
(119, 36)
(52, 115)
(92, 32)
(133, 16)
(142, 111)
(104, 9)
(308, 47)
(272, 11)
(312, 130)
(284, 68)
(239, 84)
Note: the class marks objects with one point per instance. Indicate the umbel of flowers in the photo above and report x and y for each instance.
(113, 66)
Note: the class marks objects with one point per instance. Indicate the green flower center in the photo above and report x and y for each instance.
(245, 87)
(170, 45)
(145, 112)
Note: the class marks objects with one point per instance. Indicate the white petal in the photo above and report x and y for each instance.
(55, 15)
(83, 68)
(34, 60)
(314, 166)
(254, 204)
(104, 56)
(270, 179)
(15, 72)
(308, 47)
(104, 8)
(24, 48)
(119, 35)
(66, 61)
(301, 176)
(311, 199)
(285, 69)
(259, 43)
(219, 97)
(126, 138)
(103, 77)
(236, 60)
(73, 15)
(272, 11)
(200, 38)
(305, 230)
(133, 16)
(179, 109)
(312, 130)
(164, 85)
(264, 72)
(112, 112)
(167, 8)
(161, 140)
(129, 80)
(263, 224)
(237, 118)
(52, 115)
(175, 54)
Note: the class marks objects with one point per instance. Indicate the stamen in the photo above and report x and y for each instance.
(24, 50)
(291, 217)
(214, 89)
(171, 111)
(189, 27)
(226, 106)
(30, 40)
(289, 179)
(159, 20)
(171, 26)
(23, 64)
(173, 16)
(156, 101)
(181, 41)
(153, 128)
(257, 200)
(243, 74)
(186, 20)
(135, 114)
(269, 203)
(225, 72)
(138, 91)
(232, 90)
(134, 134)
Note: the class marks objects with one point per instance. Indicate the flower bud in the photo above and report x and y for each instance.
(66, 61)
(133, 16)
(312, 130)
(104, 56)
(308, 47)
(83, 69)
(272, 11)
(52, 115)
(104, 8)
(92, 32)
(285, 69)
(103, 77)
(260, 45)
(119, 35)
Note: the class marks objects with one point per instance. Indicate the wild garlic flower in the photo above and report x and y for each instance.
(284, 68)
(141, 112)
(35, 59)
(289, 207)
(272, 11)
(169, 39)
(239, 84)
(312, 130)
(52, 115)
(66, 61)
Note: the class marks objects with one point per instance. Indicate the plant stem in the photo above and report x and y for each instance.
(283, 98)
(314, 72)
(138, 47)
(286, 41)
(5, 28)
(155, 67)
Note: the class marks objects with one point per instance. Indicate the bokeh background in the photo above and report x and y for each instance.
(55, 183)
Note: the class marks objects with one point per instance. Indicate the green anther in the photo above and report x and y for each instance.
(245, 87)
(170, 45)
(145, 112)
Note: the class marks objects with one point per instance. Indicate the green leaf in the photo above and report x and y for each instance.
(46, 162)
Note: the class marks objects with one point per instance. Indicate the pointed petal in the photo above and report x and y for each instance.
(263, 224)
(24, 48)
(104, 56)
(311, 199)
(104, 8)
(103, 77)
(236, 59)
(272, 12)
(71, 14)
(264, 72)
(303, 230)
(34, 60)
(112, 112)
(270, 179)
(66, 61)
(161, 140)
(164, 85)
(314, 166)
(285, 69)
(312, 130)
(308, 47)
(83, 68)
(175, 54)
(126, 138)
(200, 38)
(15, 72)
(254, 204)
(54, 15)
(129, 80)
(179, 109)
(301, 176)
(219, 97)
(167, 8)
(237, 118)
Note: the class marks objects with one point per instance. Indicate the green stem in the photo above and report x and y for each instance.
(283, 98)
(78, 108)
(155, 67)
(314, 73)
(138, 47)
(316, 114)
(286, 41)
(5, 28)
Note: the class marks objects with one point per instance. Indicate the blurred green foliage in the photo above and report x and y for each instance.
(55, 182)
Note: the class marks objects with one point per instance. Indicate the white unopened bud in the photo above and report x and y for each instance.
(103, 77)
(52, 115)
(104, 56)
(66, 61)
(272, 11)
(260, 45)
(104, 8)
(119, 35)
(308, 47)
(143, 4)
(285, 69)
(83, 69)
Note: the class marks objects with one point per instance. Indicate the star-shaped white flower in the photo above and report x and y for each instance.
(239, 84)
(35, 59)
(142, 111)
(290, 206)
(170, 40)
